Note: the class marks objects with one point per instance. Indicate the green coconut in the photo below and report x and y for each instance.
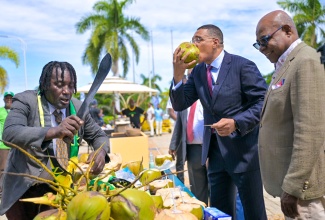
(52, 214)
(83, 157)
(89, 205)
(78, 173)
(195, 209)
(159, 184)
(171, 214)
(147, 176)
(133, 204)
(158, 201)
(193, 51)
(160, 159)
(135, 166)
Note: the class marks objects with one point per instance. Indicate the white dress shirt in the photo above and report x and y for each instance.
(198, 123)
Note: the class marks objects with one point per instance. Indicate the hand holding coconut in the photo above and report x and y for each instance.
(99, 161)
(186, 56)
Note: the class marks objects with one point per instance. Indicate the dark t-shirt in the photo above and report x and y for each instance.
(94, 112)
(134, 116)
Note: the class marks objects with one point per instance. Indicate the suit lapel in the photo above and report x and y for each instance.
(185, 118)
(223, 72)
(275, 81)
(204, 80)
(282, 71)
(47, 114)
(67, 113)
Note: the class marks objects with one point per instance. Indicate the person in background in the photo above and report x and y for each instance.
(134, 113)
(151, 118)
(174, 150)
(291, 137)
(155, 100)
(37, 122)
(188, 138)
(4, 150)
(172, 114)
(159, 120)
(96, 113)
(231, 90)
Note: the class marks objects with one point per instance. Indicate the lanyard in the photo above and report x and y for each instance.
(74, 148)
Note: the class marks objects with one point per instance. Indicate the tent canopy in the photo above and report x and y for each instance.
(118, 85)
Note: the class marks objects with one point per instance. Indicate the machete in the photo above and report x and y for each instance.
(103, 69)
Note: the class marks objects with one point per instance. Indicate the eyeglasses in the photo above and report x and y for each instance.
(200, 39)
(265, 40)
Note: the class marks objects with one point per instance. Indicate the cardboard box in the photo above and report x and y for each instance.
(211, 213)
(131, 148)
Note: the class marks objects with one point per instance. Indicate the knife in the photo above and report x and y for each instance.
(103, 69)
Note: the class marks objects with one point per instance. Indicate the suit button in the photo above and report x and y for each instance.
(40, 170)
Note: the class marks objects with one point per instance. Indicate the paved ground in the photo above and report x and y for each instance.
(160, 144)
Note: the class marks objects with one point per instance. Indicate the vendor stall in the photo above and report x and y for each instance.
(132, 146)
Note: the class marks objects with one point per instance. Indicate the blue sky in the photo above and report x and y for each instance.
(48, 29)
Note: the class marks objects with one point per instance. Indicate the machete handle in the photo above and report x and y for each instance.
(67, 140)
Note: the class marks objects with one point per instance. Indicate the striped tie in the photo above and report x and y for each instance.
(209, 78)
(61, 146)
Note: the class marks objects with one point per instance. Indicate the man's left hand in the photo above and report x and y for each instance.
(172, 153)
(99, 161)
(225, 126)
(289, 205)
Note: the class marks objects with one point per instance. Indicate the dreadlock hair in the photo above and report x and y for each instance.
(45, 79)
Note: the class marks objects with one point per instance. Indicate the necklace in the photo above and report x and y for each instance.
(132, 109)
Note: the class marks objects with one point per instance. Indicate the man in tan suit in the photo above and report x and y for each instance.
(292, 127)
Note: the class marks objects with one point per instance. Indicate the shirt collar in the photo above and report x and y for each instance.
(52, 109)
(217, 62)
(284, 56)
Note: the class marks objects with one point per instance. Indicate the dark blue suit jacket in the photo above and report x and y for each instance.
(238, 94)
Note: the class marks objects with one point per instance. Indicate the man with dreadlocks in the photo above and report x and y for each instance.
(34, 125)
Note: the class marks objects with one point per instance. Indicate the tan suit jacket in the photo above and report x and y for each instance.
(292, 128)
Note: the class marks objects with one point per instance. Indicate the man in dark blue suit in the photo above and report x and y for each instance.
(232, 110)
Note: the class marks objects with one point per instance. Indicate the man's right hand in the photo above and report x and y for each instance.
(179, 65)
(67, 128)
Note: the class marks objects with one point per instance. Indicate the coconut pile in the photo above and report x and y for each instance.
(81, 195)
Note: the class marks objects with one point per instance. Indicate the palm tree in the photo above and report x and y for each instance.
(154, 79)
(6, 53)
(164, 98)
(309, 16)
(268, 77)
(111, 33)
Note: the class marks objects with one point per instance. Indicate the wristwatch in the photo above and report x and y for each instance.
(236, 126)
